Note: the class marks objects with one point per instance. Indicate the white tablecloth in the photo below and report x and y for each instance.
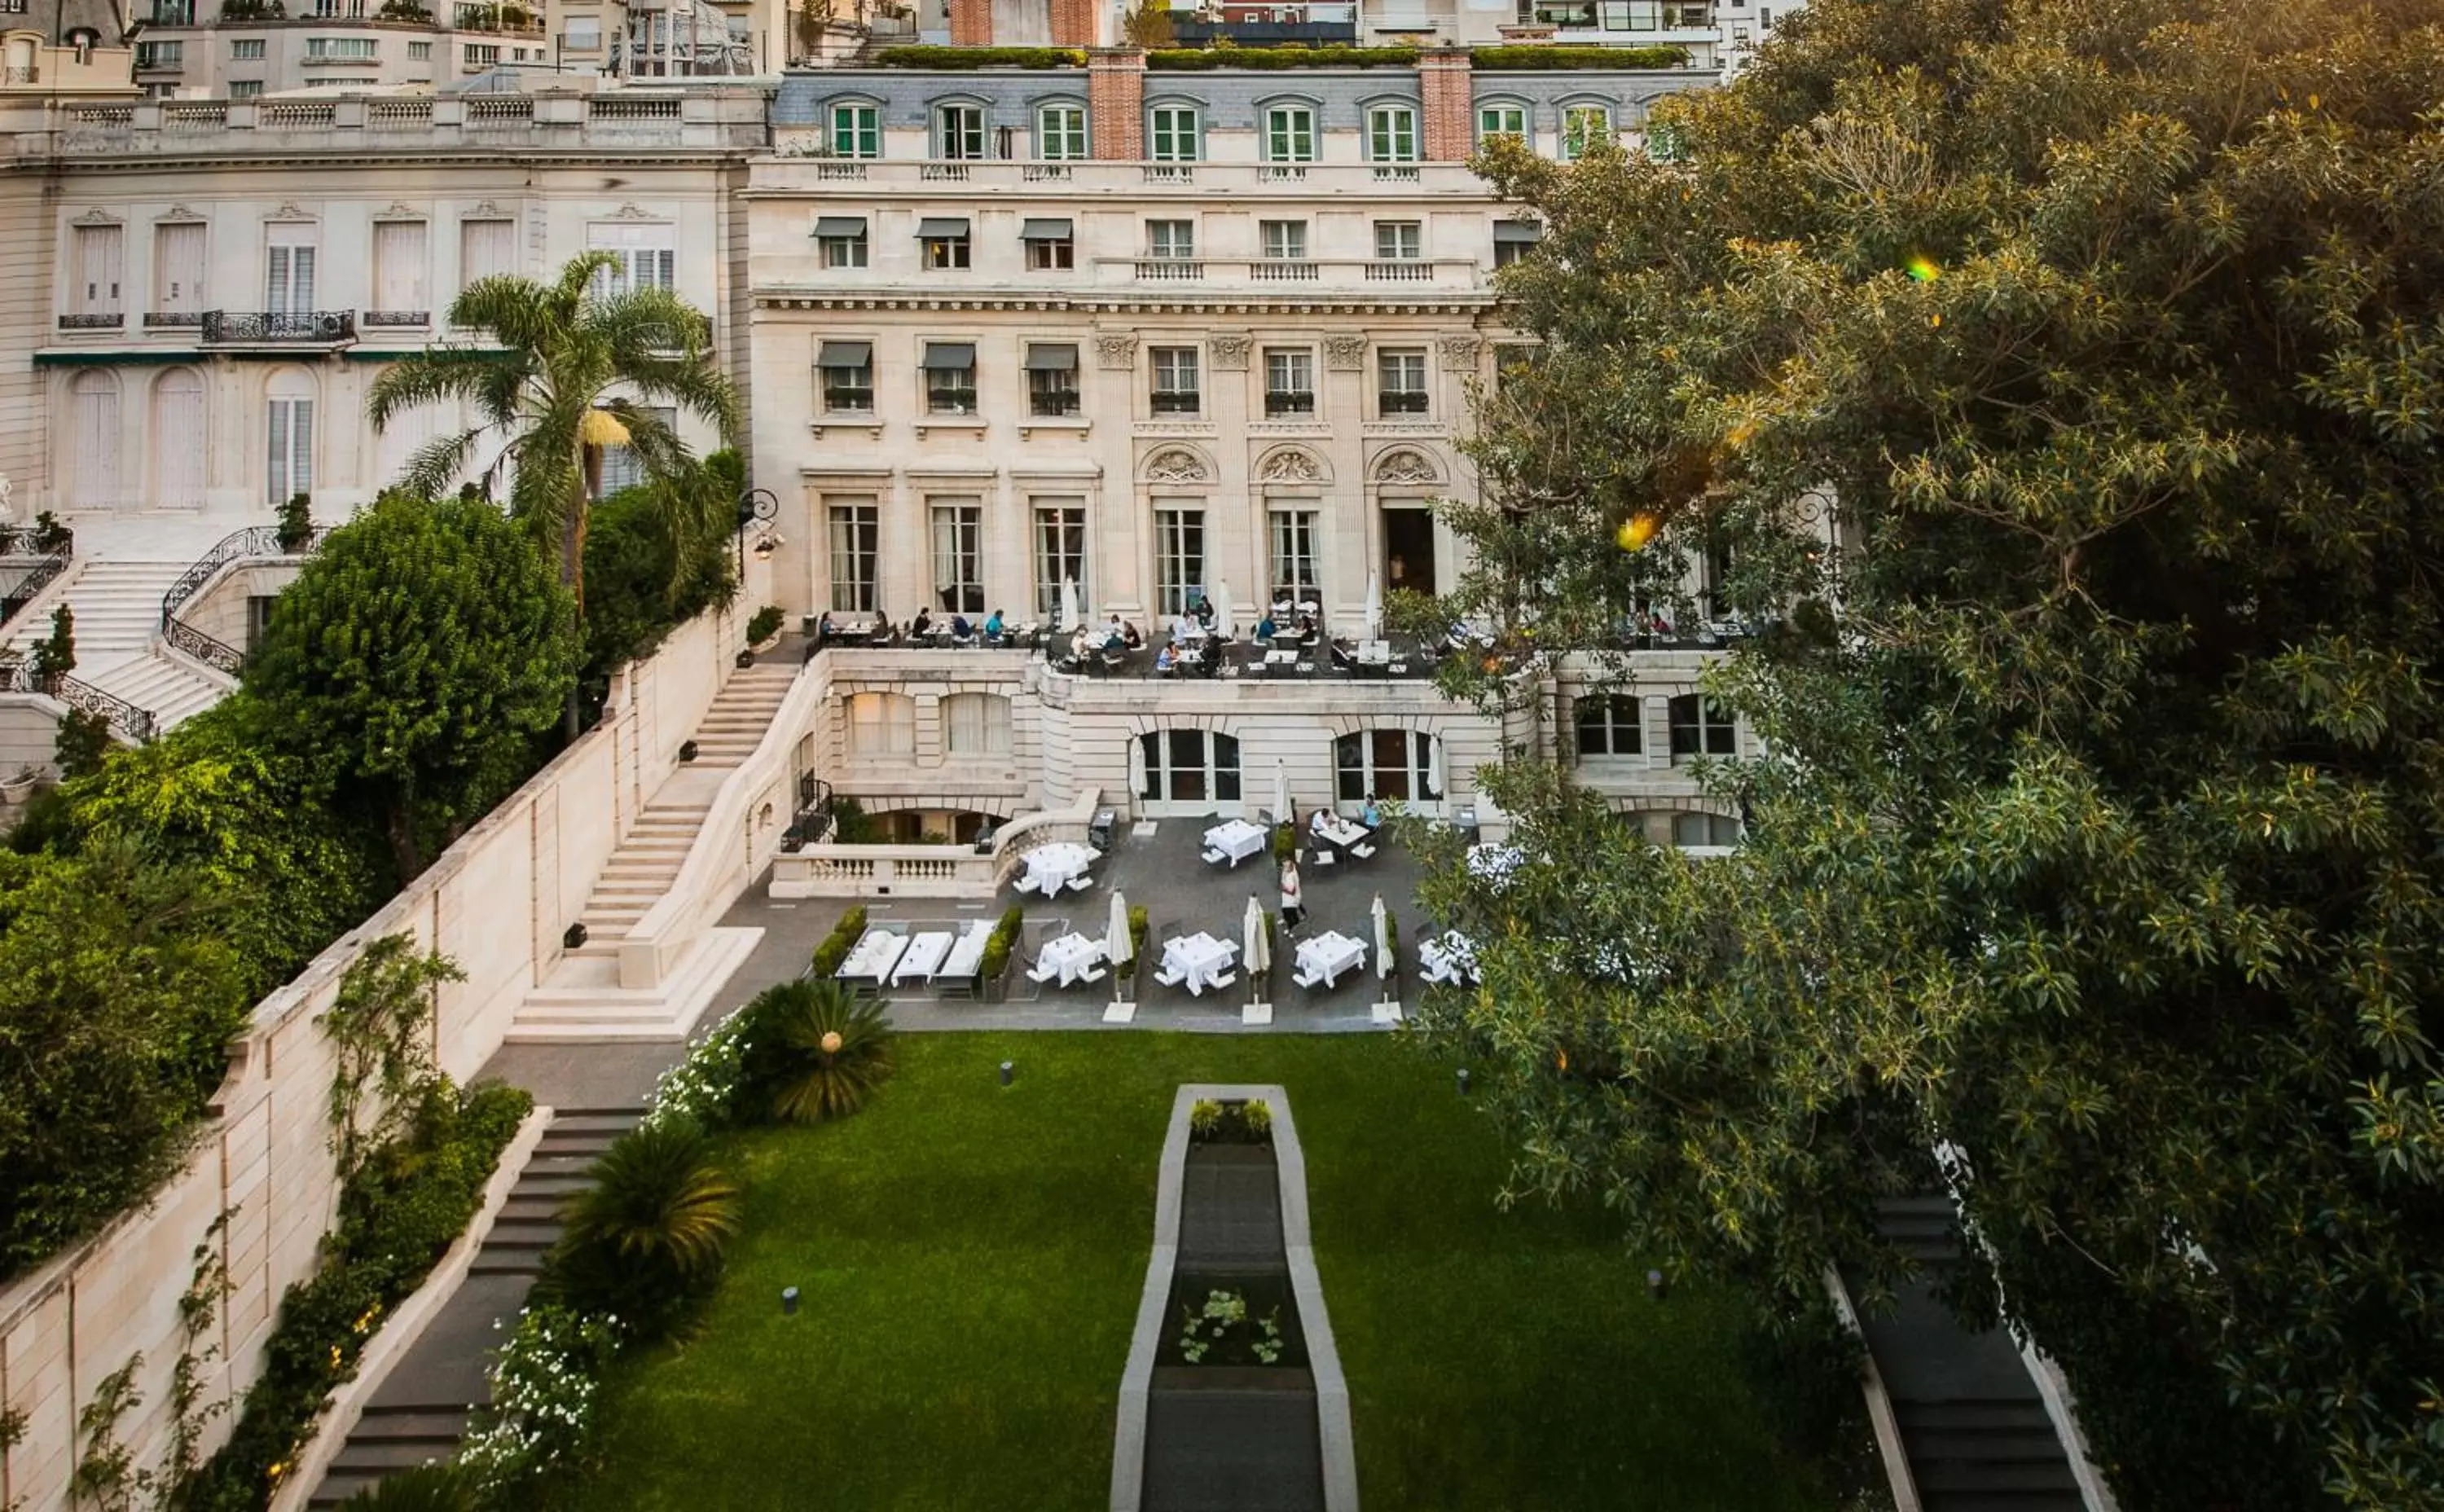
(925, 953)
(1327, 955)
(1071, 955)
(1050, 868)
(877, 952)
(1448, 957)
(1238, 840)
(1198, 961)
(1341, 833)
(966, 957)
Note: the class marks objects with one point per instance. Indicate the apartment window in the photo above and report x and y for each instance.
(163, 54)
(1051, 378)
(623, 467)
(400, 262)
(1392, 134)
(882, 724)
(1765, 18)
(645, 257)
(841, 239)
(1188, 766)
(98, 250)
(1611, 724)
(1396, 763)
(1179, 557)
(976, 725)
(958, 556)
(1514, 239)
(1174, 380)
(1401, 380)
(356, 48)
(951, 377)
(481, 55)
(165, 12)
(290, 468)
(1295, 580)
(1174, 136)
(1701, 727)
(1712, 830)
(247, 50)
(245, 88)
(423, 51)
(1060, 555)
(1289, 134)
(1171, 239)
(1052, 244)
(1399, 241)
(847, 371)
(1289, 380)
(487, 249)
(857, 131)
(856, 542)
(1284, 240)
(583, 34)
(178, 266)
(1060, 133)
(944, 241)
(959, 131)
(1502, 121)
(289, 280)
(1582, 127)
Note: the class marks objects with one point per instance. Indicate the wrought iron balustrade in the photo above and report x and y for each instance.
(93, 320)
(301, 326)
(254, 541)
(174, 319)
(128, 720)
(399, 318)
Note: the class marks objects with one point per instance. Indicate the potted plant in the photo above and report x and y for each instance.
(296, 523)
(575, 937)
(763, 628)
(687, 751)
(18, 789)
(55, 653)
(50, 535)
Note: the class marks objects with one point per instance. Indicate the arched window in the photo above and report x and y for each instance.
(1391, 135)
(976, 725)
(1583, 126)
(882, 724)
(175, 438)
(1386, 764)
(1611, 724)
(93, 422)
(1061, 132)
(1188, 766)
(1704, 830)
(1289, 133)
(289, 439)
(1701, 727)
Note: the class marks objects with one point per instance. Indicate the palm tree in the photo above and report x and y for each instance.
(815, 1051)
(645, 1241)
(574, 367)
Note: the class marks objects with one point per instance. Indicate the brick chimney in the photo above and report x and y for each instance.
(1116, 102)
(972, 23)
(1445, 84)
(1073, 23)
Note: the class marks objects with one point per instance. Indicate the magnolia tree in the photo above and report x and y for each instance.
(2054, 386)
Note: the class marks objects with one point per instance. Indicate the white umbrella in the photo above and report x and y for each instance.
(1117, 944)
(1225, 613)
(1070, 619)
(1258, 951)
(1374, 606)
(1382, 940)
(1435, 786)
(1281, 793)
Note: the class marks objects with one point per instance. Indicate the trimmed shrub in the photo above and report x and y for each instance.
(1263, 60)
(836, 946)
(967, 60)
(423, 1488)
(764, 624)
(1002, 941)
(813, 1052)
(1532, 59)
(1137, 943)
(645, 1241)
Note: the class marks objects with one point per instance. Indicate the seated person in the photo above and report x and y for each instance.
(1182, 630)
(1264, 628)
(1079, 645)
(1115, 636)
(1132, 637)
(1204, 611)
(1320, 824)
(921, 624)
(994, 626)
(960, 629)
(1370, 816)
(1305, 626)
(1164, 661)
(825, 629)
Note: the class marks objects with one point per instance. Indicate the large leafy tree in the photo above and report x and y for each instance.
(2059, 380)
(412, 664)
(573, 367)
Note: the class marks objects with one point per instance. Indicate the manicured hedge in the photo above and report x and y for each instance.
(964, 60)
(1530, 59)
(1198, 60)
(836, 945)
(1003, 939)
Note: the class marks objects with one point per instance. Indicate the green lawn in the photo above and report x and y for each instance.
(970, 1258)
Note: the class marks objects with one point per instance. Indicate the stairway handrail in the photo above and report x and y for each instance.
(253, 541)
(136, 723)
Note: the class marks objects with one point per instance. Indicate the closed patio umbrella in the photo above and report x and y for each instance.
(1374, 606)
(1225, 613)
(1382, 940)
(1435, 786)
(1117, 944)
(1070, 619)
(1256, 948)
(1280, 792)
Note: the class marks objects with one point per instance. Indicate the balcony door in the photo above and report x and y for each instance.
(1409, 547)
(288, 279)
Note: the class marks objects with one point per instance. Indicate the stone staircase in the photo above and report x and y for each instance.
(159, 682)
(421, 1412)
(1977, 1435)
(118, 609)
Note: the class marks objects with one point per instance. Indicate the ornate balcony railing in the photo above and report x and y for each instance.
(254, 541)
(397, 318)
(128, 720)
(173, 320)
(93, 320)
(303, 327)
(41, 561)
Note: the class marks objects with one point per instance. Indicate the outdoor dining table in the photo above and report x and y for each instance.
(1197, 961)
(925, 953)
(1071, 957)
(1341, 833)
(1324, 957)
(966, 957)
(1237, 840)
(1448, 957)
(877, 952)
(1050, 868)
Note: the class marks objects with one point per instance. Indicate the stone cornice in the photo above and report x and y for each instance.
(1167, 302)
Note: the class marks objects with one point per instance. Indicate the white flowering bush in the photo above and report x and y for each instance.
(701, 1086)
(546, 1386)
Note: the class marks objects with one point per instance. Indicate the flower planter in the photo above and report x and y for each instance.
(747, 659)
(687, 751)
(575, 938)
(20, 787)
